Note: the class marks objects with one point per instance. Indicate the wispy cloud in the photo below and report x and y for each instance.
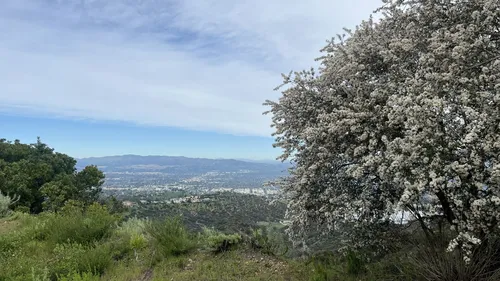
(204, 65)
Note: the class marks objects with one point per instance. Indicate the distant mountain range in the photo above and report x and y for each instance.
(137, 162)
(187, 173)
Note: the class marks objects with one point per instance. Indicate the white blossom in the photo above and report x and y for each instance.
(404, 108)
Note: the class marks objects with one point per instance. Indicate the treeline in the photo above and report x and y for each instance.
(37, 178)
(225, 211)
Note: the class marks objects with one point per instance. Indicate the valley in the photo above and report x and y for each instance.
(132, 176)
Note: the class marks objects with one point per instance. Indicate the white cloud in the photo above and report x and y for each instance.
(205, 65)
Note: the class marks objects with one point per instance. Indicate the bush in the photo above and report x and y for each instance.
(24, 265)
(269, 241)
(114, 205)
(393, 267)
(131, 235)
(171, 237)
(131, 227)
(43, 276)
(75, 225)
(323, 266)
(96, 259)
(138, 241)
(433, 262)
(5, 203)
(355, 264)
(22, 209)
(219, 242)
(9, 243)
(67, 258)
(77, 258)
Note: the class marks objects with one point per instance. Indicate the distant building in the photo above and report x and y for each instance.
(128, 204)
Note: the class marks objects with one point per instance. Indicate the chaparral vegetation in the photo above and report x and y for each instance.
(395, 146)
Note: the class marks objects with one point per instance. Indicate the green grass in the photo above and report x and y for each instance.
(91, 245)
(33, 251)
(104, 248)
(234, 265)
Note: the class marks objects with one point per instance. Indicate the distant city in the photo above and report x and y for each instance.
(137, 176)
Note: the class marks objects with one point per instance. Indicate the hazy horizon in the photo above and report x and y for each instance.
(112, 77)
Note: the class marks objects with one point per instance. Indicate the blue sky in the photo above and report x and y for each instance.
(162, 77)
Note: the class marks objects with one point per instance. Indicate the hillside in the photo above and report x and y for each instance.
(94, 245)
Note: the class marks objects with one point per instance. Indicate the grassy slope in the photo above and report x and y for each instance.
(29, 246)
(239, 264)
(234, 265)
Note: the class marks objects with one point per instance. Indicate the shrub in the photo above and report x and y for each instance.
(77, 258)
(219, 242)
(393, 267)
(5, 203)
(75, 225)
(355, 264)
(269, 241)
(43, 276)
(171, 236)
(22, 209)
(9, 243)
(433, 262)
(114, 205)
(67, 258)
(320, 273)
(24, 266)
(132, 226)
(16, 237)
(130, 235)
(96, 259)
(137, 242)
(323, 266)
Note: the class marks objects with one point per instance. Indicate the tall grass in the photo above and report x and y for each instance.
(434, 263)
(78, 226)
(170, 237)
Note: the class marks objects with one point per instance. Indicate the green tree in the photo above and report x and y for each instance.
(57, 192)
(43, 178)
(88, 183)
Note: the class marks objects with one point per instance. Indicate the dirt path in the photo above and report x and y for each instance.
(146, 276)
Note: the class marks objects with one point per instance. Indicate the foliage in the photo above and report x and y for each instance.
(432, 263)
(114, 205)
(219, 242)
(5, 203)
(78, 225)
(138, 241)
(44, 276)
(229, 212)
(111, 257)
(77, 258)
(269, 241)
(171, 237)
(50, 245)
(355, 264)
(231, 265)
(132, 226)
(44, 179)
(402, 116)
(86, 276)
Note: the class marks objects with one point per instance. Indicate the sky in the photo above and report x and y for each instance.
(157, 77)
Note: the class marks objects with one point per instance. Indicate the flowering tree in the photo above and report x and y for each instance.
(404, 115)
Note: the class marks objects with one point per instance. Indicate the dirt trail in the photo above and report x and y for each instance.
(146, 276)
